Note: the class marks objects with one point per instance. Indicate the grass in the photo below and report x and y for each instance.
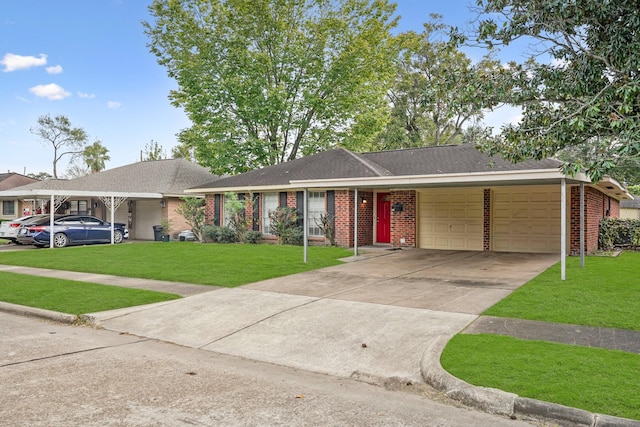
(603, 294)
(206, 264)
(596, 380)
(72, 297)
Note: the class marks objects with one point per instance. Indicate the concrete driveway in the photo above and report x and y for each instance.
(371, 318)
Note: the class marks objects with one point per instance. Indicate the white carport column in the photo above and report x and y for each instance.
(563, 229)
(52, 210)
(305, 218)
(112, 219)
(355, 222)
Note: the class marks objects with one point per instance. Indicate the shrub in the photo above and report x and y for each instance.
(214, 233)
(325, 224)
(251, 236)
(283, 220)
(293, 236)
(617, 232)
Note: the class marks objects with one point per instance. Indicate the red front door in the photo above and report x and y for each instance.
(383, 221)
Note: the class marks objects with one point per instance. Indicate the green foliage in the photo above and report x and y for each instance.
(264, 81)
(235, 211)
(325, 224)
(438, 91)
(634, 189)
(218, 234)
(586, 94)
(95, 156)
(251, 236)
(152, 151)
(618, 233)
(284, 224)
(63, 137)
(193, 212)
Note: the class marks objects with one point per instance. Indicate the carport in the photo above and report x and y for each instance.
(56, 198)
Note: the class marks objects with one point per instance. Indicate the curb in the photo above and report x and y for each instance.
(500, 402)
(53, 316)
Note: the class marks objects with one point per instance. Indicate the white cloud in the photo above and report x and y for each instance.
(14, 62)
(56, 69)
(51, 91)
(113, 105)
(86, 95)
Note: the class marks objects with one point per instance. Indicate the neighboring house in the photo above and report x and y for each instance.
(630, 209)
(143, 194)
(443, 197)
(12, 208)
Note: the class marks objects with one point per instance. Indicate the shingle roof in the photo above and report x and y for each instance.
(170, 177)
(630, 204)
(12, 180)
(341, 163)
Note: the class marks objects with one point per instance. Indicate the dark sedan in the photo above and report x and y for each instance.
(74, 230)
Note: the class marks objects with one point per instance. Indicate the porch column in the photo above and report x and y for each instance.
(305, 219)
(355, 222)
(563, 229)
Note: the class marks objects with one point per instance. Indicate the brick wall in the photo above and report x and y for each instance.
(403, 224)
(177, 221)
(597, 205)
(344, 217)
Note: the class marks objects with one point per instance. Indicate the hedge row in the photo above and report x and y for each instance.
(616, 232)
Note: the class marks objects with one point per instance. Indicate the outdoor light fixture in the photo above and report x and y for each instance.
(363, 200)
(163, 203)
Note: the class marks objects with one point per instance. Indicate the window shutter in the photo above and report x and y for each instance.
(256, 212)
(283, 199)
(216, 210)
(331, 207)
(300, 207)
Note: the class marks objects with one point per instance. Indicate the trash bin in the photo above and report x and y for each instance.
(157, 233)
(164, 237)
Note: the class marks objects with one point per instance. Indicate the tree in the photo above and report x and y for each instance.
(64, 138)
(152, 151)
(589, 92)
(95, 156)
(193, 212)
(183, 151)
(438, 90)
(264, 81)
(40, 175)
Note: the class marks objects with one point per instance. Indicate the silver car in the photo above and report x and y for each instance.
(9, 229)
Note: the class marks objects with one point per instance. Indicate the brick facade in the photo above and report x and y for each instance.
(597, 205)
(403, 224)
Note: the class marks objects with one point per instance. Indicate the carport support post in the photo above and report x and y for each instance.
(305, 216)
(51, 217)
(112, 219)
(563, 229)
(355, 223)
(582, 225)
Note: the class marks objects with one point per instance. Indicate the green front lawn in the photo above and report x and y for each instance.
(606, 293)
(225, 265)
(67, 296)
(596, 380)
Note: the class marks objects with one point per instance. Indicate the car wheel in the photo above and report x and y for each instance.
(117, 236)
(60, 240)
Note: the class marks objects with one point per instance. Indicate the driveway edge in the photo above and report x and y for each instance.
(500, 402)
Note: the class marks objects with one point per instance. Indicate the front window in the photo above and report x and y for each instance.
(79, 207)
(269, 204)
(316, 208)
(8, 208)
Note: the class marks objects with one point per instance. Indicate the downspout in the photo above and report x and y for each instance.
(582, 225)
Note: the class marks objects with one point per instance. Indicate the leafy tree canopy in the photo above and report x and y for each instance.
(438, 91)
(63, 137)
(153, 151)
(264, 81)
(587, 94)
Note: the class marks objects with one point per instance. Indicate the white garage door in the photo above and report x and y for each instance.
(526, 219)
(148, 213)
(450, 218)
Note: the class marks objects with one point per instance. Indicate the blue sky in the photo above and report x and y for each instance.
(88, 60)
